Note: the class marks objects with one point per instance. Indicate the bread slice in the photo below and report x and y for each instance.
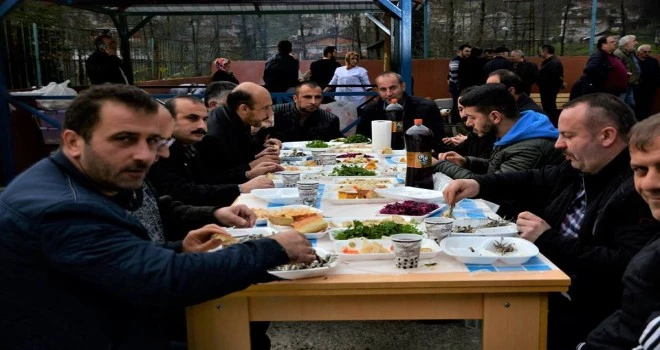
(310, 224)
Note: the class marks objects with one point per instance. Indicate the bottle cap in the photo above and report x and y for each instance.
(418, 121)
(394, 100)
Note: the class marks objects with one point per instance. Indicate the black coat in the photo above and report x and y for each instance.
(281, 73)
(187, 177)
(321, 125)
(551, 74)
(323, 70)
(476, 146)
(221, 75)
(617, 225)
(103, 68)
(498, 62)
(639, 305)
(413, 108)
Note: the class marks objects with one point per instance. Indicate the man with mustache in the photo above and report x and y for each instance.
(229, 141)
(303, 119)
(83, 271)
(640, 307)
(186, 174)
(593, 222)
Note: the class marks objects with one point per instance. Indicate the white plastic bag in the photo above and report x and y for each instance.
(54, 89)
(347, 113)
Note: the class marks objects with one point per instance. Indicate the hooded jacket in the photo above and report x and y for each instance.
(529, 144)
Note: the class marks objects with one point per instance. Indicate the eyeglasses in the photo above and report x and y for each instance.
(645, 51)
(165, 143)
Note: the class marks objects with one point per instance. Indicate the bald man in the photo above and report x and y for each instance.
(229, 140)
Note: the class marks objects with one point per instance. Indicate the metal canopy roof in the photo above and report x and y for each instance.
(215, 7)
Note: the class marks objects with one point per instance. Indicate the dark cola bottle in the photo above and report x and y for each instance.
(419, 172)
(394, 112)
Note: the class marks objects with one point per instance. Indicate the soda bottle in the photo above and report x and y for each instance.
(394, 112)
(419, 172)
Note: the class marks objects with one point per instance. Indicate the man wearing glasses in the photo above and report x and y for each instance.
(649, 79)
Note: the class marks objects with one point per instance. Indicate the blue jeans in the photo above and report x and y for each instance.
(629, 97)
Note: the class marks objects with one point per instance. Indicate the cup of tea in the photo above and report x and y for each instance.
(407, 247)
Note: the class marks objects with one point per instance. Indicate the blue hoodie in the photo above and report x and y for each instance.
(531, 125)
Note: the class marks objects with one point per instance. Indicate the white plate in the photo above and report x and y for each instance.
(307, 273)
(396, 159)
(392, 169)
(303, 169)
(508, 230)
(363, 180)
(337, 225)
(396, 152)
(411, 193)
(277, 195)
(263, 221)
(480, 250)
(285, 155)
(387, 244)
(332, 197)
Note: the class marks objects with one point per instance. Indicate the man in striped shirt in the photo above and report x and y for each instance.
(453, 78)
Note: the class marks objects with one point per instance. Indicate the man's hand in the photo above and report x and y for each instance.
(271, 142)
(236, 215)
(263, 169)
(453, 157)
(261, 181)
(265, 159)
(457, 190)
(201, 240)
(531, 226)
(454, 140)
(297, 247)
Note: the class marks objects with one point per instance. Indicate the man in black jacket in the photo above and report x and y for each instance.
(500, 61)
(322, 70)
(103, 66)
(514, 84)
(185, 174)
(550, 80)
(229, 139)
(593, 222)
(649, 81)
(391, 86)
(640, 304)
(281, 71)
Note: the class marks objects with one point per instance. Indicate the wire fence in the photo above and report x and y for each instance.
(38, 55)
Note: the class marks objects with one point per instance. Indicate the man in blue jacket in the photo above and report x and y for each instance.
(80, 271)
(592, 222)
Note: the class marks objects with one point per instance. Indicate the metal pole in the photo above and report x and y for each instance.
(405, 44)
(592, 35)
(426, 29)
(6, 137)
(37, 55)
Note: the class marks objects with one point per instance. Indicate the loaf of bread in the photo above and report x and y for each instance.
(310, 224)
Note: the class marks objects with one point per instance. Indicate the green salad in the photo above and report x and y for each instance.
(385, 228)
(351, 170)
(317, 144)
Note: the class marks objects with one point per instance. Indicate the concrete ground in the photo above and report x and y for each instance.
(374, 335)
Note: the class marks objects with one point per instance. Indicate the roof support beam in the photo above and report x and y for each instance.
(405, 44)
(6, 6)
(378, 23)
(140, 25)
(390, 7)
(121, 22)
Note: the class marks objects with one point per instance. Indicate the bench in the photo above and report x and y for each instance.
(562, 98)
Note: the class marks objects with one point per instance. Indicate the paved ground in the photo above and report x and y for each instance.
(373, 335)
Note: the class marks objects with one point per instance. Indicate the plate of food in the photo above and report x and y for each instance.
(357, 138)
(277, 195)
(397, 159)
(294, 155)
(388, 152)
(371, 228)
(356, 158)
(378, 249)
(374, 181)
(392, 169)
(303, 169)
(411, 193)
(483, 227)
(354, 194)
(417, 211)
(487, 250)
(349, 171)
(306, 220)
(240, 235)
(324, 262)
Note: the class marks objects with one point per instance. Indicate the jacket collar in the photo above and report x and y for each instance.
(128, 199)
(619, 167)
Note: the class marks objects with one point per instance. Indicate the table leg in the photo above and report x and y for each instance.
(219, 324)
(515, 321)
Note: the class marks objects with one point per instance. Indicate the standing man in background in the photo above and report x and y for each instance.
(103, 66)
(323, 69)
(626, 53)
(527, 71)
(649, 80)
(550, 80)
(453, 78)
(281, 71)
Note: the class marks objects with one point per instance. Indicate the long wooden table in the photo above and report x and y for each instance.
(512, 305)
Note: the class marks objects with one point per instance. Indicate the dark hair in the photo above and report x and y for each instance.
(217, 89)
(98, 41)
(645, 132)
(395, 74)
(239, 97)
(171, 103)
(509, 79)
(549, 48)
(466, 90)
(476, 52)
(488, 50)
(83, 114)
(603, 109)
(501, 49)
(601, 41)
(328, 50)
(309, 83)
(284, 47)
(460, 48)
(491, 97)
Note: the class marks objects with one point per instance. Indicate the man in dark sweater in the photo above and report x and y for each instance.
(550, 80)
(513, 82)
(500, 61)
(593, 222)
(185, 174)
(323, 69)
(303, 119)
(103, 66)
(281, 71)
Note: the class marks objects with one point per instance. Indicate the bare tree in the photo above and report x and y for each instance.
(303, 46)
(569, 3)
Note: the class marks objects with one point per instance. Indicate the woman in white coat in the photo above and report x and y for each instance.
(351, 74)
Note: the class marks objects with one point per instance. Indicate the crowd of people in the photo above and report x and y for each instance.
(101, 241)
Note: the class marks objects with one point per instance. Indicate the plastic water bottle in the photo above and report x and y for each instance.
(394, 112)
(419, 172)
